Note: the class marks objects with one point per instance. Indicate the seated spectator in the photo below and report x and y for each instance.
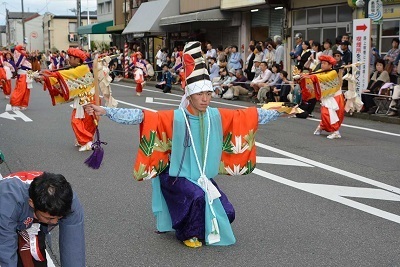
(150, 69)
(240, 86)
(171, 63)
(227, 83)
(166, 80)
(282, 90)
(213, 68)
(378, 78)
(265, 93)
(223, 76)
(394, 104)
(255, 70)
(259, 80)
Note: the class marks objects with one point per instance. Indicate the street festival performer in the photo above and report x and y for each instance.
(74, 84)
(326, 86)
(105, 80)
(184, 149)
(139, 71)
(6, 70)
(20, 96)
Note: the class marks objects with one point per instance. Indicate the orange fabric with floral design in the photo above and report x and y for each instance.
(238, 126)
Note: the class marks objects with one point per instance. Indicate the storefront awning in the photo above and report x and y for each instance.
(95, 28)
(116, 28)
(208, 15)
(147, 17)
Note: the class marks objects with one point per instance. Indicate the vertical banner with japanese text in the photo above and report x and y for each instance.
(362, 51)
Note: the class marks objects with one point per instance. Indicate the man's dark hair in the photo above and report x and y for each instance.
(259, 48)
(164, 65)
(252, 47)
(220, 48)
(51, 193)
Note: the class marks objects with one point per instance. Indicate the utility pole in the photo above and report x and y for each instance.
(79, 23)
(88, 22)
(23, 21)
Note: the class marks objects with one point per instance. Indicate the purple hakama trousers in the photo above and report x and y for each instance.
(186, 205)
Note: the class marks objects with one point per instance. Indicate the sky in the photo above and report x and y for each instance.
(57, 7)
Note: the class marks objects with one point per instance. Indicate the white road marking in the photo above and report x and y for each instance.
(151, 101)
(281, 161)
(361, 128)
(333, 193)
(18, 114)
(331, 169)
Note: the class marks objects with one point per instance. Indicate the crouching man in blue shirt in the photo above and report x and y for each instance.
(32, 204)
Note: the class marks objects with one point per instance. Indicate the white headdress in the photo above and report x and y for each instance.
(197, 77)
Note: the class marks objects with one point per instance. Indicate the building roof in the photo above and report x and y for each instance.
(18, 15)
(92, 14)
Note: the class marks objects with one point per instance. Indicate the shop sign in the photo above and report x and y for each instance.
(375, 11)
(361, 51)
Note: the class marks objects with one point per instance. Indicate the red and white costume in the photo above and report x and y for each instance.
(6, 70)
(20, 95)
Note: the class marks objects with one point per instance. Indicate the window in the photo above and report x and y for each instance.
(299, 17)
(389, 30)
(329, 14)
(321, 23)
(109, 5)
(314, 16)
(72, 27)
(100, 8)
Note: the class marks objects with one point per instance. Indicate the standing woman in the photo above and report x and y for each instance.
(139, 69)
(234, 60)
(390, 59)
(305, 54)
(269, 54)
(314, 58)
(328, 48)
(249, 62)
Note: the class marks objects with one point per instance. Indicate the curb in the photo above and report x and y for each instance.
(363, 116)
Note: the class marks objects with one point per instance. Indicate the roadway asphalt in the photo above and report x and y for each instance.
(313, 202)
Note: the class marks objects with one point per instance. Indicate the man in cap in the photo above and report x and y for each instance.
(298, 38)
(184, 149)
(347, 56)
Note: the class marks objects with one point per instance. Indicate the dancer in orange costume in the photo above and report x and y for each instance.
(20, 96)
(326, 86)
(65, 86)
